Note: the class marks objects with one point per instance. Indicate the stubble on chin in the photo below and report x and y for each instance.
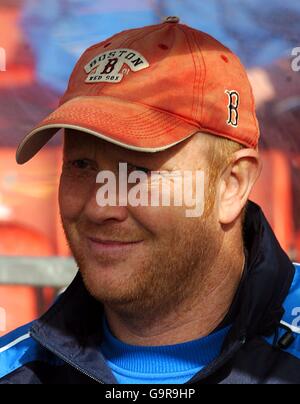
(162, 279)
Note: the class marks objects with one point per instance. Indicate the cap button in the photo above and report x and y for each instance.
(172, 19)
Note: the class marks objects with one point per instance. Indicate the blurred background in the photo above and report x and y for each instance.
(40, 41)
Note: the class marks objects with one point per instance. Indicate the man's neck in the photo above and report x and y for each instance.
(196, 317)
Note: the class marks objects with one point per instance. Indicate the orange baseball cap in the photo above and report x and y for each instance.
(148, 89)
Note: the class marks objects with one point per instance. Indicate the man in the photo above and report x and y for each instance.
(191, 292)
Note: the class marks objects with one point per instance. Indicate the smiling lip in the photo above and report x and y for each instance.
(102, 246)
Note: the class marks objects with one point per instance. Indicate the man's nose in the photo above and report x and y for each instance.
(96, 212)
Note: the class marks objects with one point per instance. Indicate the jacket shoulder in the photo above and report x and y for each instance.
(17, 349)
(291, 317)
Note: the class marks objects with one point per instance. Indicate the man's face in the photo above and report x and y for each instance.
(134, 258)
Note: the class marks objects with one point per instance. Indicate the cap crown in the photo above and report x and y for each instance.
(176, 69)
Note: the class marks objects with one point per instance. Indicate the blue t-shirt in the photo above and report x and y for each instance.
(166, 364)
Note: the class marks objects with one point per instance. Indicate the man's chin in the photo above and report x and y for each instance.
(110, 286)
(120, 301)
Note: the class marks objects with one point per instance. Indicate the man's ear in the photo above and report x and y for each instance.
(236, 183)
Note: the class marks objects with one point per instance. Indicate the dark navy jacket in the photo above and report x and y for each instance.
(263, 345)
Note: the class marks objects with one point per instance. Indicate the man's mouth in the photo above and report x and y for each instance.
(99, 245)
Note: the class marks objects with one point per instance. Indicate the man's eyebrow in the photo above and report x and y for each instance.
(158, 168)
(76, 149)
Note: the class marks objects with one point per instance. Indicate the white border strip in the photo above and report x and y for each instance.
(15, 342)
(296, 330)
(57, 272)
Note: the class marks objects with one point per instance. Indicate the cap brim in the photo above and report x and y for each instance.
(127, 124)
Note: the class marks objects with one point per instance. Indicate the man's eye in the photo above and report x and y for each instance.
(82, 164)
(138, 168)
(144, 170)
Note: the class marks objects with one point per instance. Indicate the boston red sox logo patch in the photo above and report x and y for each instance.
(233, 107)
(112, 66)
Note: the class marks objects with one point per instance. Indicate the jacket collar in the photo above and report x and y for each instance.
(269, 275)
(71, 329)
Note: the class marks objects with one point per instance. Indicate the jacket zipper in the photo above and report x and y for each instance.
(65, 359)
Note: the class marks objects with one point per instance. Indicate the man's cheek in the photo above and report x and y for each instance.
(73, 235)
(71, 201)
(155, 220)
(69, 208)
